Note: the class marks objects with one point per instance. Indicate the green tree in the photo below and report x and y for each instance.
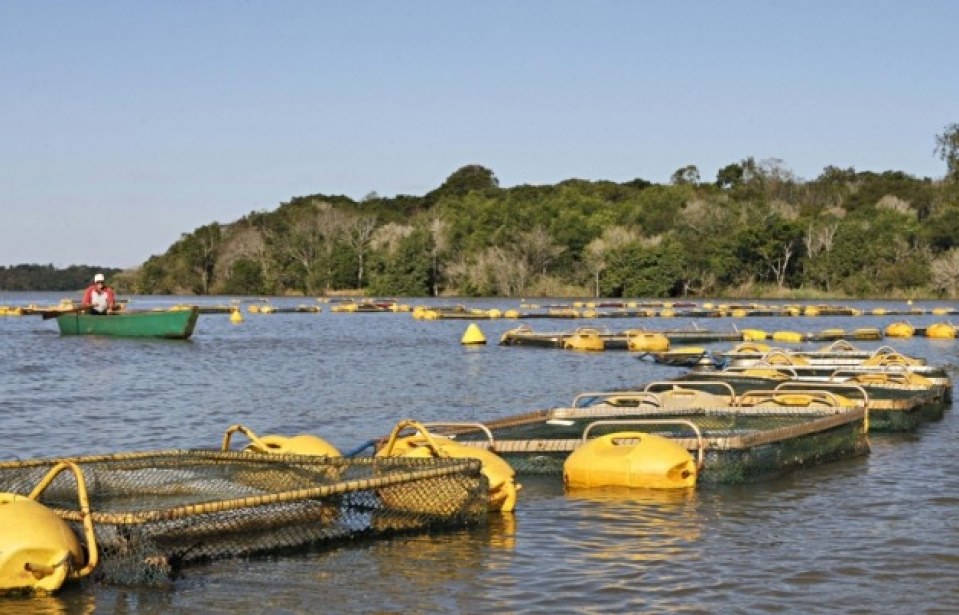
(947, 148)
(638, 270)
(245, 278)
(405, 270)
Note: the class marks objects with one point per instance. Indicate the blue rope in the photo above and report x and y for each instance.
(356, 451)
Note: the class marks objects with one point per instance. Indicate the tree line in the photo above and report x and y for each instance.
(34, 277)
(756, 230)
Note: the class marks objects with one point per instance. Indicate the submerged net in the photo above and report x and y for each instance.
(155, 512)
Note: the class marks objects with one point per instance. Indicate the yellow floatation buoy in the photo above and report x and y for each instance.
(630, 459)
(890, 358)
(302, 444)
(638, 341)
(473, 335)
(750, 348)
(235, 316)
(941, 330)
(38, 550)
(788, 336)
(900, 329)
(589, 340)
(778, 357)
(499, 474)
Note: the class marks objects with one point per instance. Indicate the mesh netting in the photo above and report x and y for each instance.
(739, 444)
(154, 512)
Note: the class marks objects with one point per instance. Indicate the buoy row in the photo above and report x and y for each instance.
(939, 330)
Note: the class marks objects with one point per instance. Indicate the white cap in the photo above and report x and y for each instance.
(98, 278)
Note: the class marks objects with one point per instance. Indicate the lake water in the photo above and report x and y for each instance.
(873, 534)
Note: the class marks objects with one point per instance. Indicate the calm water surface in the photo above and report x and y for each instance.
(875, 534)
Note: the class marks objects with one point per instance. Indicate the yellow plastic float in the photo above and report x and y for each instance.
(639, 341)
(585, 339)
(780, 357)
(38, 550)
(900, 329)
(302, 444)
(788, 336)
(887, 359)
(473, 336)
(630, 459)
(941, 330)
(752, 348)
(499, 474)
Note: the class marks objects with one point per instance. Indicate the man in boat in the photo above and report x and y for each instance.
(99, 297)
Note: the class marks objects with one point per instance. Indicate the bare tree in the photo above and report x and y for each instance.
(538, 249)
(896, 204)
(945, 272)
(510, 275)
(819, 238)
(597, 251)
(440, 232)
(777, 259)
(389, 236)
(240, 241)
(359, 233)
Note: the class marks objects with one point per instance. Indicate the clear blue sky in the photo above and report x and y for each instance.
(124, 124)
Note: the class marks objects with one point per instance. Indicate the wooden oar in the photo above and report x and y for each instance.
(48, 314)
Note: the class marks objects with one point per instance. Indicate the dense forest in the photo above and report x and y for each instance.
(756, 230)
(49, 278)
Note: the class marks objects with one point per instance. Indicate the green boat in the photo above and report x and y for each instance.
(171, 324)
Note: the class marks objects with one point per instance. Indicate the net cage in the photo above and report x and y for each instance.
(733, 444)
(155, 512)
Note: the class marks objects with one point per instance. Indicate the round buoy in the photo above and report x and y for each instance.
(788, 336)
(630, 459)
(235, 316)
(303, 444)
(500, 475)
(585, 339)
(638, 341)
(941, 330)
(473, 336)
(37, 548)
(754, 335)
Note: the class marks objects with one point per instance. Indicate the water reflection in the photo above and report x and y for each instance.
(638, 525)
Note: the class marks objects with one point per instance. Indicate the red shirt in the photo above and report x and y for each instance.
(100, 299)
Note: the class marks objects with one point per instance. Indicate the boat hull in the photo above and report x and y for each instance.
(176, 324)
